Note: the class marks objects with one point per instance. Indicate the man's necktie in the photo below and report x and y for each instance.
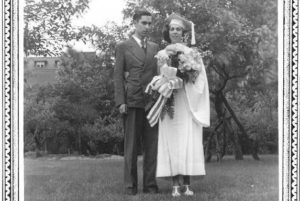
(144, 44)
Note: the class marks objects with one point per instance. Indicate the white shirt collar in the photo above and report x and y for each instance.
(139, 41)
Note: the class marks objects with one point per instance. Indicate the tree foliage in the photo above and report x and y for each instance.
(47, 25)
(79, 108)
(242, 72)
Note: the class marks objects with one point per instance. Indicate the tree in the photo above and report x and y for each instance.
(47, 25)
(84, 92)
(241, 71)
(38, 119)
(82, 100)
(240, 44)
(77, 113)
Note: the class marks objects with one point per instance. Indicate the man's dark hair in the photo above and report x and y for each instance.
(139, 13)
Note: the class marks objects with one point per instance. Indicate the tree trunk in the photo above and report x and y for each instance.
(207, 152)
(255, 150)
(219, 107)
(227, 128)
(37, 143)
(218, 147)
(254, 145)
(224, 145)
(235, 139)
(233, 114)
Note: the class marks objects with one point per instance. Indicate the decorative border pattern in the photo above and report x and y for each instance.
(288, 92)
(289, 128)
(295, 106)
(7, 100)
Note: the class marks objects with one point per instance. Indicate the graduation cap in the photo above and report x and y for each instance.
(182, 22)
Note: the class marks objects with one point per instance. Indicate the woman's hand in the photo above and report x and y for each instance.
(123, 109)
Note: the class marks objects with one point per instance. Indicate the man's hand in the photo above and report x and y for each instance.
(123, 109)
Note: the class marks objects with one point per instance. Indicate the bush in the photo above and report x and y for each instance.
(105, 135)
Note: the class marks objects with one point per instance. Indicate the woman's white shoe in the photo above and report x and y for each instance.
(175, 192)
(188, 191)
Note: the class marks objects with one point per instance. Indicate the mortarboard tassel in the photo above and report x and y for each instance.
(193, 40)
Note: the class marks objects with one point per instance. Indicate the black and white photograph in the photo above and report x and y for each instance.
(150, 100)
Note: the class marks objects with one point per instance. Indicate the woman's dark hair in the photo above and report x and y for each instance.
(166, 35)
(139, 13)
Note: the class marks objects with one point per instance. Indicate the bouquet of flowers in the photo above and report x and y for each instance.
(178, 64)
(185, 59)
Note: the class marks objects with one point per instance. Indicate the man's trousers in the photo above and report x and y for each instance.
(137, 129)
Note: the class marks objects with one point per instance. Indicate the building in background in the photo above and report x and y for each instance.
(43, 70)
(40, 70)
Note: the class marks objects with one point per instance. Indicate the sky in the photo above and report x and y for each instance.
(98, 14)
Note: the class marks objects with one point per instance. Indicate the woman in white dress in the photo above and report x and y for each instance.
(180, 146)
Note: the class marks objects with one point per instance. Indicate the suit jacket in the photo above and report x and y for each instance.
(134, 69)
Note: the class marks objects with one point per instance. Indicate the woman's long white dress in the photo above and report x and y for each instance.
(180, 144)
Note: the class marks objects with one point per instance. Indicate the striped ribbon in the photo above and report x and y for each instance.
(165, 86)
(154, 113)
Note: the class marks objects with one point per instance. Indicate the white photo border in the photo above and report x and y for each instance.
(288, 105)
(12, 167)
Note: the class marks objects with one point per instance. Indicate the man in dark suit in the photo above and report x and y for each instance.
(134, 69)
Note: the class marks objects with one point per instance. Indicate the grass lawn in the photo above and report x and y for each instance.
(102, 179)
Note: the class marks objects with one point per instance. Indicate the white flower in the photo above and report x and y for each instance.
(190, 60)
(162, 54)
(162, 58)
